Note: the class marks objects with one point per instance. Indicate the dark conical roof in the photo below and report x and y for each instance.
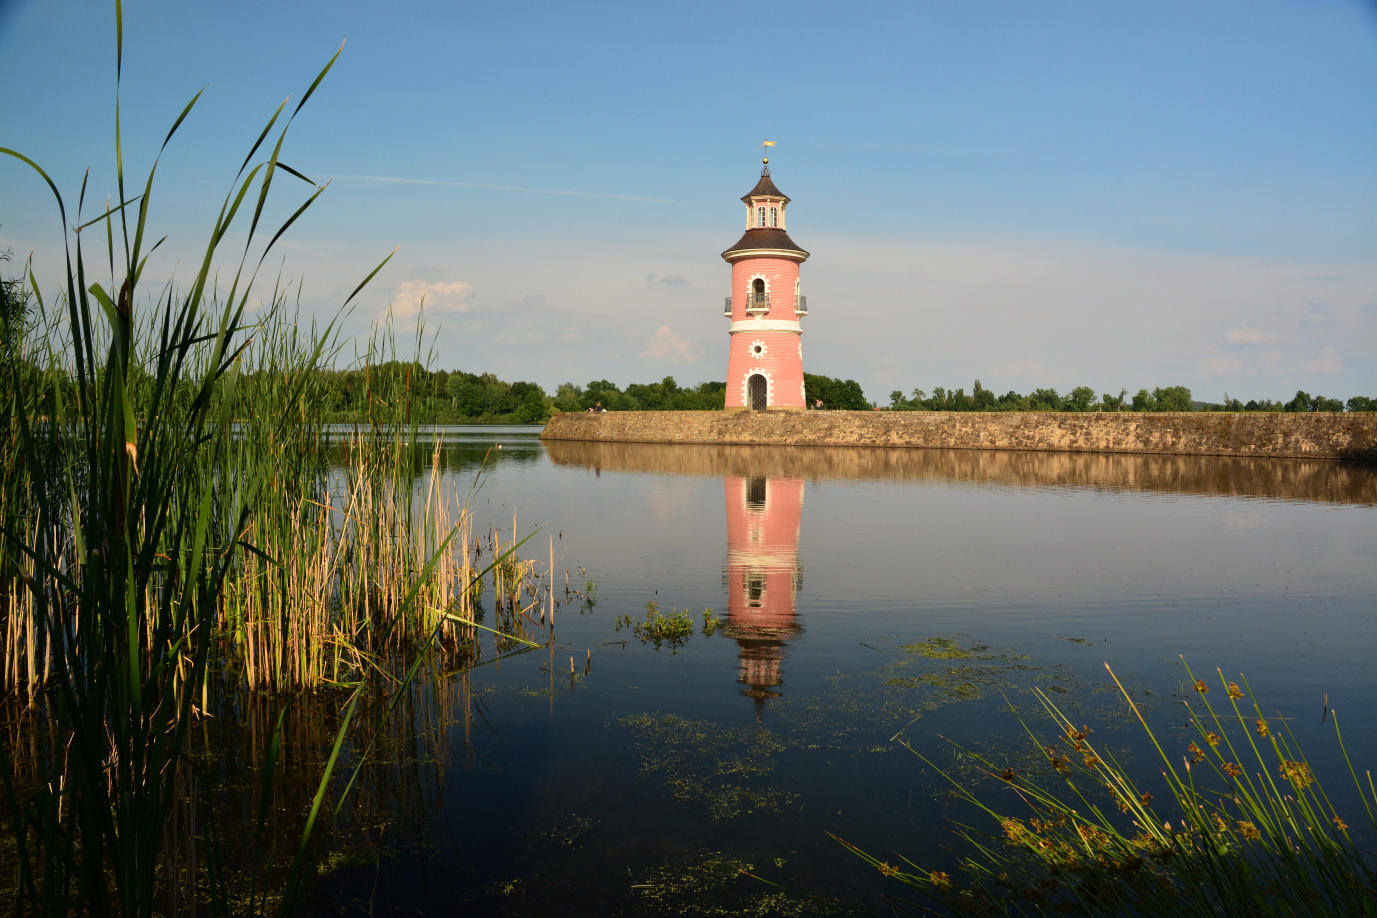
(768, 238)
(764, 188)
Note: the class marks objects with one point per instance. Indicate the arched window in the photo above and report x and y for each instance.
(758, 286)
(774, 216)
(760, 217)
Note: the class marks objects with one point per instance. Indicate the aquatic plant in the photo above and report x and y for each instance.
(1246, 829)
(672, 628)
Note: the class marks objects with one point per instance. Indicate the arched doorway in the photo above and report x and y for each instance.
(757, 388)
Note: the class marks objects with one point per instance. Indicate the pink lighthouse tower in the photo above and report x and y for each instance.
(765, 365)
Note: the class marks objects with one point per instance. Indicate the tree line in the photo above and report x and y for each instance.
(457, 397)
(1082, 398)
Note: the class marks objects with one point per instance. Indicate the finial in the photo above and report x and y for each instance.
(766, 160)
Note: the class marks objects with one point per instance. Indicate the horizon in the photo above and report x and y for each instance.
(1036, 197)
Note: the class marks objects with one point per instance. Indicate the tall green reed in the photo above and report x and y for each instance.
(1246, 828)
(172, 526)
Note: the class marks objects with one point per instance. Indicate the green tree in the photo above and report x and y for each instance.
(1173, 398)
(983, 399)
(567, 397)
(1302, 402)
(532, 408)
(1362, 403)
(1045, 400)
(836, 394)
(1081, 398)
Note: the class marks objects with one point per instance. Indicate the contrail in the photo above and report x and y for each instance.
(580, 194)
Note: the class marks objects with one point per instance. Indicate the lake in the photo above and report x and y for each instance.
(861, 599)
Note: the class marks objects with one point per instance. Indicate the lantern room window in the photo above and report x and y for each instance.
(774, 216)
(760, 217)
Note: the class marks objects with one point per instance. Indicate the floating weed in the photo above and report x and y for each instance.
(346, 859)
(947, 648)
(564, 834)
(711, 765)
(714, 884)
(966, 670)
(504, 887)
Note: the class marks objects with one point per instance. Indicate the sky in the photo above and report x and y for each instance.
(1118, 195)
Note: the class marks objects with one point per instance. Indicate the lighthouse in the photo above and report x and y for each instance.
(766, 306)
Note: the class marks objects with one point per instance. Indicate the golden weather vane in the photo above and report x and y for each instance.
(768, 143)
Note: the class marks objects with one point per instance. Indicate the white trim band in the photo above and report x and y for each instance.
(759, 325)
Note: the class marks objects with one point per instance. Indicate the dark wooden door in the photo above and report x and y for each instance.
(756, 389)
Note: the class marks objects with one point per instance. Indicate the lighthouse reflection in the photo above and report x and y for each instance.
(762, 576)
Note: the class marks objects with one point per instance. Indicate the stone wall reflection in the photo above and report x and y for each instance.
(762, 576)
(1320, 480)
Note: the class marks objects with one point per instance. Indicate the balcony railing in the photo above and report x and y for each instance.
(758, 304)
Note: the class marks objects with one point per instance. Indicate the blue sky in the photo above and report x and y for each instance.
(1032, 194)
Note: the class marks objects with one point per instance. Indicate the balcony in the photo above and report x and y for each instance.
(800, 305)
(727, 309)
(757, 304)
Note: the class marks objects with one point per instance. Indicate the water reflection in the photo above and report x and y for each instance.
(1316, 480)
(762, 576)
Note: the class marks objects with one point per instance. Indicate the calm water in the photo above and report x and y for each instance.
(641, 783)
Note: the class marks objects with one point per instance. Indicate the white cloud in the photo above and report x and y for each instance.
(666, 346)
(1249, 336)
(1329, 363)
(438, 297)
(1271, 362)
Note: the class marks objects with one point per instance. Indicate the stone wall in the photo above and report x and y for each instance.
(1322, 435)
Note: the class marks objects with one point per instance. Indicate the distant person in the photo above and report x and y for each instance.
(817, 404)
(598, 408)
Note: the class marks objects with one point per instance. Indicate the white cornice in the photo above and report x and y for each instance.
(765, 325)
